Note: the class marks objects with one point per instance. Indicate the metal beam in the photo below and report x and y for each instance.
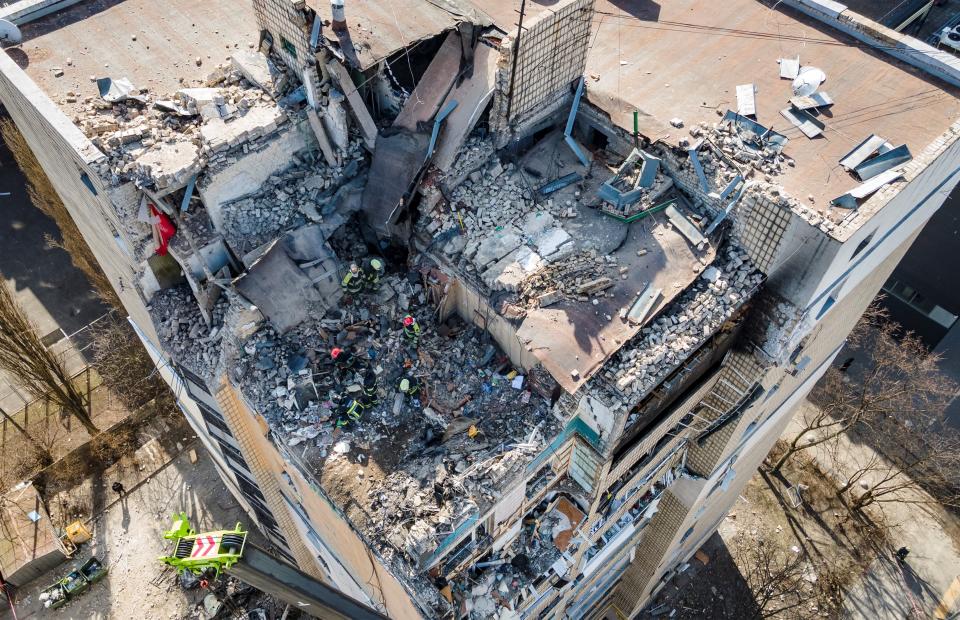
(288, 583)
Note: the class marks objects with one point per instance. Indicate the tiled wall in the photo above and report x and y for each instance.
(290, 30)
(551, 55)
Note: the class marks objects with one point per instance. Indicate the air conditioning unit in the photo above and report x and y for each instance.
(950, 37)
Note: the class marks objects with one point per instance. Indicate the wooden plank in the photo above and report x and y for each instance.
(367, 127)
(325, 147)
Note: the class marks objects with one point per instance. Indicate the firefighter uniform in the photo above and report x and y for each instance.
(353, 281)
(411, 330)
(370, 384)
(344, 360)
(350, 412)
(410, 386)
(374, 269)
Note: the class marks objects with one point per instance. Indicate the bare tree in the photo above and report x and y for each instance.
(914, 460)
(899, 379)
(775, 578)
(24, 357)
(126, 368)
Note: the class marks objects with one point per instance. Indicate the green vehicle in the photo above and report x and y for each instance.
(77, 581)
(200, 553)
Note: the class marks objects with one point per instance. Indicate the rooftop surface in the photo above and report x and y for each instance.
(154, 45)
(684, 59)
(379, 28)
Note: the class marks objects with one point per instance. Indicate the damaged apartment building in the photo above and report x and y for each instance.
(631, 252)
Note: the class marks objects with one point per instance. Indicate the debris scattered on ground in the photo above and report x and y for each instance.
(305, 192)
(692, 318)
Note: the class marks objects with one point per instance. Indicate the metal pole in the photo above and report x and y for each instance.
(516, 50)
(6, 593)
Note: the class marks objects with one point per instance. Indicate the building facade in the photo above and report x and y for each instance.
(665, 296)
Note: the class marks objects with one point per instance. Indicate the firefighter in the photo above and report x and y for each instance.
(350, 412)
(410, 386)
(352, 282)
(374, 268)
(411, 330)
(370, 385)
(344, 360)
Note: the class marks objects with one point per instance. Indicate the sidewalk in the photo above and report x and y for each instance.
(928, 585)
(128, 538)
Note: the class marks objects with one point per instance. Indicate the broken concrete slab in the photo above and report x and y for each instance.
(509, 272)
(325, 147)
(554, 244)
(221, 135)
(195, 99)
(278, 288)
(170, 165)
(257, 69)
(549, 298)
(496, 246)
(536, 223)
(250, 171)
(424, 101)
(368, 128)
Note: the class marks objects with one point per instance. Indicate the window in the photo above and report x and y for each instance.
(826, 306)
(687, 534)
(910, 296)
(85, 178)
(862, 245)
(288, 47)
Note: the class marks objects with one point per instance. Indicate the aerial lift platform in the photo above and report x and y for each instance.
(210, 554)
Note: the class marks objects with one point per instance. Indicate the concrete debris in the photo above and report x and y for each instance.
(305, 192)
(682, 327)
(163, 145)
(258, 70)
(575, 278)
(725, 137)
(496, 587)
(718, 168)
(184, 332)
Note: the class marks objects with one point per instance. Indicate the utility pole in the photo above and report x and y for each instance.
(516, 50)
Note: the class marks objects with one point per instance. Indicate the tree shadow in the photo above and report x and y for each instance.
(644, 10)
(18, 56)
(714, 590)
(799, 531)
(27, 259)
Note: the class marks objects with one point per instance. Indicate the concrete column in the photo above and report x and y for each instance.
(335, 119)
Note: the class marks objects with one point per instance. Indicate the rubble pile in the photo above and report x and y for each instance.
(668, 340)
(718, 171)
(472, 156)
(725, 136)
(489, 199)
(164, 141)
(577, 277)
(441, 455)
(499, 584)
(304, 192)
(184, 332)
(492, 196)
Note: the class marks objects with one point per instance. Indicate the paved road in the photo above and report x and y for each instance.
(128, 537)
(52, 290)
(928, 580)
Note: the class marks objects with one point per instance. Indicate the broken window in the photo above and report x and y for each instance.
(862, 245)
(288, 47)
